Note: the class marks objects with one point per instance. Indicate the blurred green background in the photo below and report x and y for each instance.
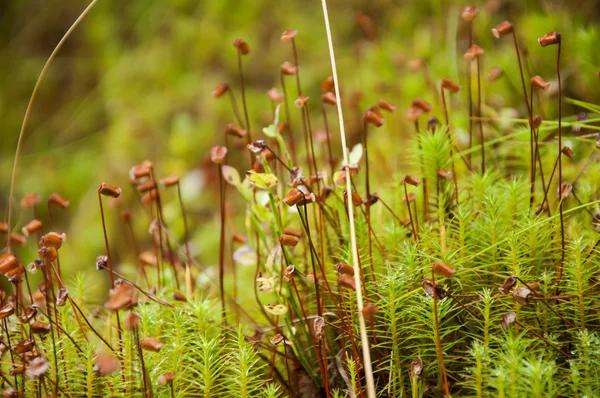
(134, 82)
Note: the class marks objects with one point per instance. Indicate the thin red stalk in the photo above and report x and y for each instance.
(244, 106)
(550, 181)
(235, 283)
(416, 217)
(141, 355)
(234, 107)
(278, 158)
(136, 248)
(326, 126)
(532, 154)
(110, 264)
(592, 251)
(47, 277)
(571, 324)
(314, 255)
(62, 285)
(560, 176)
(91, 327)
(64, 332)
(288, 118)
(425, 193)
(470, 92)
(287, 368)
(222, 247)
(391, 211)
(541, 337)
(312, 147)
(10, 349)
(317, 355)
(354, 347)
(454, 178)
(163, 222)
(368, 186)
(479, 114)
(437, 337)
(186, 237)
(412, 223)
(514, 34)
(157, 252)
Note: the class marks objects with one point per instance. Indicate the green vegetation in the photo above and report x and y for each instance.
(451, 250)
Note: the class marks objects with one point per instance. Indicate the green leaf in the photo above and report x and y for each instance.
(355, 154)
(262, 213)
(271, 130)
(262, 180)
(266, 284)
(231, 175)
(245, 255)
(278, 309)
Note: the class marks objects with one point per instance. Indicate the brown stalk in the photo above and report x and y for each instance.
(541, 337)
(222, 245)
(412, 223)
(278, 158)
(47, 278)
(326, 126)
(479, 114)
(560, 177)
(288, 117)
(234, 106)
(314, 255)
(10, 347)
(28, 110)
(141, 270)
(64, 332)
(547, 305)
(470, 90)
(391, 211)
(425, 192)
(243, 92)
(320, 359)
(109, 258)
(454, 178)
(437, 336)
(136, 337)
(160, 231)
(186, 236)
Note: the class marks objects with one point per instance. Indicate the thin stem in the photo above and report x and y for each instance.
(437, 337)
(243, 90)
(186, 236)
(136, 248)
(28, 110)
(514, 34)
(425, 193)
(163, 222)
(479, 114)
(288, 117)
(222, 247)
(278, 158)
(359, 300)
(550, 182)
(412, 223)
(560, 176)
(326, 126)
(109, 258)
(234, 107)
(391, 211)
(470, 92)
(454, 178)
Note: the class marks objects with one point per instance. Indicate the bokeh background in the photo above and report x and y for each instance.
(134, 82)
